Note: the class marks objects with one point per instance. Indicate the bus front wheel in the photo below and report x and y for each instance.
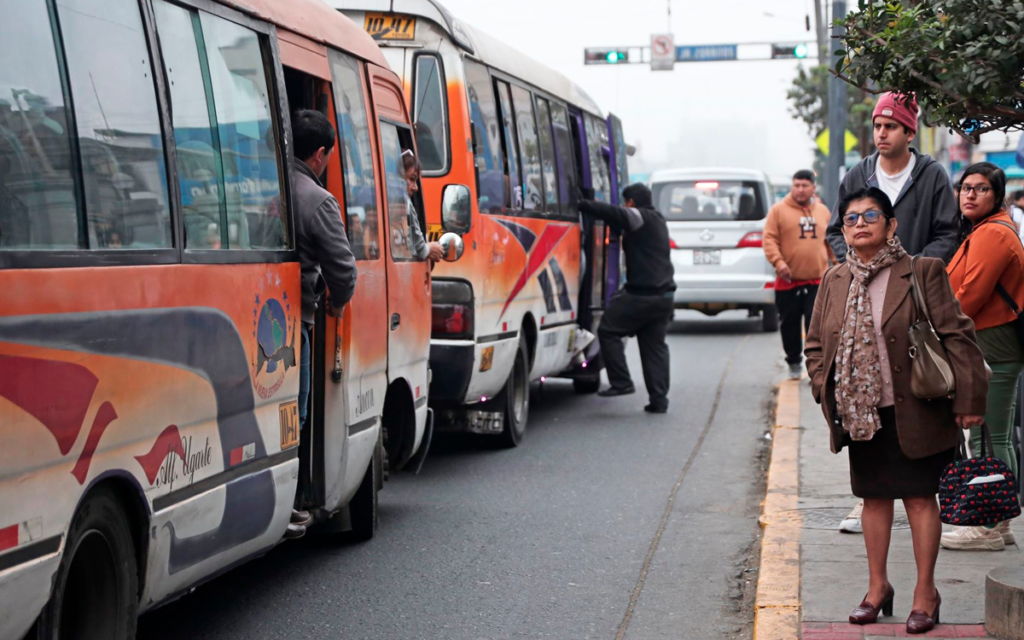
(514, 399)
(95, 592)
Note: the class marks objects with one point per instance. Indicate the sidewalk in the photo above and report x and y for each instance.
(808, 495)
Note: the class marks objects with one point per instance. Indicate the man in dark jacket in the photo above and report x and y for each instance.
(325, 257)
(645, 306)
(918, 187)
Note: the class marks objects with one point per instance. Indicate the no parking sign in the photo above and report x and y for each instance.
(663, 52)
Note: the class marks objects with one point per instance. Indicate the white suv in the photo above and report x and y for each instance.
(716, 223)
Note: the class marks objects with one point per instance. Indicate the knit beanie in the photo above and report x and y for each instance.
(901, 108)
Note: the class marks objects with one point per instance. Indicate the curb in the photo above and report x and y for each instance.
(777, 601)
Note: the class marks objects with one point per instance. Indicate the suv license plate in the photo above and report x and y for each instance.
(707, 256)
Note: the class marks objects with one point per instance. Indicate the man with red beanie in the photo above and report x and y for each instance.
(918, 187)
(920, 192)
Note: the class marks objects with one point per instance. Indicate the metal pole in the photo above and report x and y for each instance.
(669, 3)
(837, 118)
(820, 33)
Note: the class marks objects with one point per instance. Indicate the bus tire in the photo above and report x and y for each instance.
(95, 591)
(363, 508)
(514, 399)
(590, 384)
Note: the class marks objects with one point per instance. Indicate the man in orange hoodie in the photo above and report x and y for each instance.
(795, 244)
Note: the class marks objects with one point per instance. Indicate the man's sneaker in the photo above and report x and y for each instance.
(796, 370)
(973, 539)
(611, 392)
(295, 531)
(851, 523)
(1004, 530)
(301, 518)
(655, 409)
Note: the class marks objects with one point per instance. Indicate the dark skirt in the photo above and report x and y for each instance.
(879, 468)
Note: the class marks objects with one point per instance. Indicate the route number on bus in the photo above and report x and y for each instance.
(384, 26)
(289, 424)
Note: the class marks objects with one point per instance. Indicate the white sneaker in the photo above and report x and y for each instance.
(973, 539)
(1004, 530)
(851, 523)
(796, 371)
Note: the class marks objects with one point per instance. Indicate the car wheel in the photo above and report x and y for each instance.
(514, 400)
(363, 508)
(95, 591)
(769, 319)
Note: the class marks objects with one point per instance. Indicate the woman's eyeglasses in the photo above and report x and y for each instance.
(870, 217)
(981, 190)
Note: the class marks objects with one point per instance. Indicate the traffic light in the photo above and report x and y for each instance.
(784, 51)
(605, 56)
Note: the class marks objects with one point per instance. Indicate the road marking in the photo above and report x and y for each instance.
(624, 625)
(777, 603)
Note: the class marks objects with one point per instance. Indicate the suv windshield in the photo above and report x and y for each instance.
(709, 200)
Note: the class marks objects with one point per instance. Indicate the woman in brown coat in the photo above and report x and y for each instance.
(899, 444)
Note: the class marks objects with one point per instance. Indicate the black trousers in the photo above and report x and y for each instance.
(647, 318)
(795, 309)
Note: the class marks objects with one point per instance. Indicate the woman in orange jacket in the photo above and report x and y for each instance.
(987, 274)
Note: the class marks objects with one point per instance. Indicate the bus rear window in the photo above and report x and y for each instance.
(709, 200)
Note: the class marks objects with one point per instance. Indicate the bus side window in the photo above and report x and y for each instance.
(526, 124)
(483, 113)
(38, 208)
(548, 158)
(513, 186)
(227, 152)
(568, 181)
(362, 217)
(429, 105)
(405, 220)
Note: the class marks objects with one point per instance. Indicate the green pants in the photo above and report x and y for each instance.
(999, 412)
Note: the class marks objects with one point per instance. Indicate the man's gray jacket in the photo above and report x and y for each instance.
(925, 209)
(325, 256)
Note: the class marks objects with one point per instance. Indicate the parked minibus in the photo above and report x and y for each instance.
(150, 299)
(525, 301)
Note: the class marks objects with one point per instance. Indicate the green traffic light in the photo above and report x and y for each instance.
(612, 57)
(800, 51)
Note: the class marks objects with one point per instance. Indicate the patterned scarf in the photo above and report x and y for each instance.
(858, 374)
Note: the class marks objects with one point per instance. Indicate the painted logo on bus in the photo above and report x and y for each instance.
(273, 328)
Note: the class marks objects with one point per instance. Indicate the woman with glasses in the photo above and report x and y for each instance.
(987, 274)
(858, 358)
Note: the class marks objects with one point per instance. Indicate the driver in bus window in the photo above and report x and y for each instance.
(421, 249)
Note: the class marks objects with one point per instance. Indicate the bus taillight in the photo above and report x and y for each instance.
(452, 313)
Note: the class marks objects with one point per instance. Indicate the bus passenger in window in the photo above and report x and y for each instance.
(325, 258)
(646, 305)
(421, 249)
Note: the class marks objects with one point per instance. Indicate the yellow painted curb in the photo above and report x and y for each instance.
(777, 602)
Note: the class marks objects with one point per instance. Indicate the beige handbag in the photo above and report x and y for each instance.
(931, 376)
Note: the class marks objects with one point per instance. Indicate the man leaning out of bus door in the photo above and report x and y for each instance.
(325, 257)
(645, 306)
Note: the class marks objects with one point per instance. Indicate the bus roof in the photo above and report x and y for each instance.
(485, 48)
(315, 20)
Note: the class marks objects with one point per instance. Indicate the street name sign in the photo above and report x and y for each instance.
(705, 53)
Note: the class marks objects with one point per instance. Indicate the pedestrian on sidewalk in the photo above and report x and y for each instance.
(794, 243)
(645, 306)
(858, 357)
(987, 274)
(918, 188)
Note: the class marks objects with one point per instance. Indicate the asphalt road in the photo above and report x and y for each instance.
(606, 523)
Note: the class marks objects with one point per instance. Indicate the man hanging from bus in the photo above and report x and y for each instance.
(645, 306)
(325, 257)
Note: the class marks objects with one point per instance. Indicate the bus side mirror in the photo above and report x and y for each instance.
(456, 212)
(452, 245)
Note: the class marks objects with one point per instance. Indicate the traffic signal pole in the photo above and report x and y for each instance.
(837, 117)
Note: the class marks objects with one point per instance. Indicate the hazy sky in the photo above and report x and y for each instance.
(700, 114)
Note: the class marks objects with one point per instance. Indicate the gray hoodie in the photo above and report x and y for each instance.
(925, 209)
(324, 251)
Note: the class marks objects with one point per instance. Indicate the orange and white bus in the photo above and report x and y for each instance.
(151, 299)
(524, 301)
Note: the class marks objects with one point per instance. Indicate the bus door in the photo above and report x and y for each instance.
(408, 278)
(619, 178)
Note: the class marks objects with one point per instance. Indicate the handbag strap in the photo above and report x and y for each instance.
(915, 287)
(987, 448)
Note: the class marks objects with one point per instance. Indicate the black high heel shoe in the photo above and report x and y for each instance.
(921, 622)
(867, 613)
